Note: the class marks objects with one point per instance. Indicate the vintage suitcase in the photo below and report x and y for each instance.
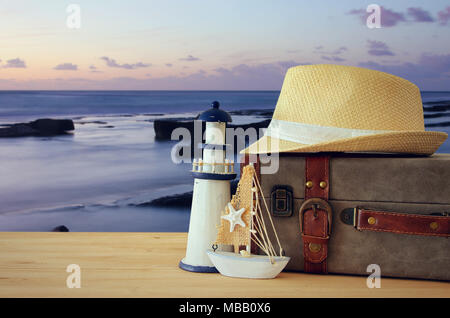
(339, 213)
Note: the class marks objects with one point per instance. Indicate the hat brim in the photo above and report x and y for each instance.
(414, 142)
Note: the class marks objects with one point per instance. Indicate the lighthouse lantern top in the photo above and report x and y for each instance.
(214, 114)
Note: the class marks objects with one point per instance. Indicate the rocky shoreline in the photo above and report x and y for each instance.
(39, 127)
(181, 200)
(164, 127)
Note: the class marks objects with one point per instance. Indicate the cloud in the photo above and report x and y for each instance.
(444, 16)
(66, 67)
(341, 50)
(332, 58)
(267, 76)
(169, 64)
(320, 49)
(389, 18)
(189, 58)
(94, 69)
(430, 72)
(378, 48)
(436, 62)
(15, 63)
(287, 64)
(420, 15)
(328, 55)
(264, 76)
(112, 63)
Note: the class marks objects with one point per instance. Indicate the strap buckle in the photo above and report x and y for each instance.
(316, 203)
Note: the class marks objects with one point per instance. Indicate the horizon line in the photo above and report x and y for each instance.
(165, 90)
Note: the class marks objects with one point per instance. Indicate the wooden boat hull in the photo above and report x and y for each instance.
(254, 266)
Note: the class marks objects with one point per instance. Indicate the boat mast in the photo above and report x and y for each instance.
(252, 212)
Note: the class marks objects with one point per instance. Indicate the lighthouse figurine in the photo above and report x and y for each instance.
(212, 175)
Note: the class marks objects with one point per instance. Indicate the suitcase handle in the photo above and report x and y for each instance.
(403, 223)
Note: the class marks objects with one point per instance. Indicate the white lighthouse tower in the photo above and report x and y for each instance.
(212, 174)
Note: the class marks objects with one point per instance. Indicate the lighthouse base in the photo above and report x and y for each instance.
(197, 269)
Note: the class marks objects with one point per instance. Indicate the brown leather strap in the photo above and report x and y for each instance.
(383, 221)
(246, 161)
(315, 214)
(317, 171)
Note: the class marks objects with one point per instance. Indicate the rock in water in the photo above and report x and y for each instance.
(164, 127)
(60, 228)
(40, 127)
(182, 200)
(49, 126)
(18, 130)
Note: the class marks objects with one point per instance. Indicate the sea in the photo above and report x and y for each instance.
(95, 178)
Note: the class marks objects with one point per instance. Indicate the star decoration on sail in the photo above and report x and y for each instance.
(234, 217)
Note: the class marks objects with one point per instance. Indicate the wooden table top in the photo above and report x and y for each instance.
(33, 264)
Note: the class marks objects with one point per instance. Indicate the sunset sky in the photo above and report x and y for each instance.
(245, 44)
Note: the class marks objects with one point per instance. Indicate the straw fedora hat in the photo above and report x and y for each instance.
(347, 109)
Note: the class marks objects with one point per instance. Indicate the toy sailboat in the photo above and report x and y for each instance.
(242, 225)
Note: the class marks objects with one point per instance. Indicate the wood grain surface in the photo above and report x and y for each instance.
(33, 264)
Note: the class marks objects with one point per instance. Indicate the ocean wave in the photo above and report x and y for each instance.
(441, 124)
(67, 208)
(436, 115)
(436, 108)
(437, 102)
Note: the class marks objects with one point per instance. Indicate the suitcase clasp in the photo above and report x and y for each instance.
(281, 200)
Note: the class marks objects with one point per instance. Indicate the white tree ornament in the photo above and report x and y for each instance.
(234, 217)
